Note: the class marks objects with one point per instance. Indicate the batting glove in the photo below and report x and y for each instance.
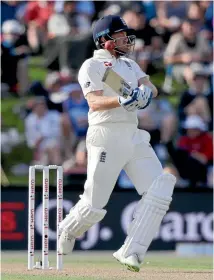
(130, 103)
(144, 96)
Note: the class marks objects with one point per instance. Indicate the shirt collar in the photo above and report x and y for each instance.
(103, 54)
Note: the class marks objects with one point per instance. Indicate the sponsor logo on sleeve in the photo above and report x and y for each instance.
(87, 84)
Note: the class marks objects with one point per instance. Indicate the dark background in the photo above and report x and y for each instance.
(188, 220)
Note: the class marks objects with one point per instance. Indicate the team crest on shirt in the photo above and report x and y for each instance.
(108, 64)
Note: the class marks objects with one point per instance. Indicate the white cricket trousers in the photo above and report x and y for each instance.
(112, 147)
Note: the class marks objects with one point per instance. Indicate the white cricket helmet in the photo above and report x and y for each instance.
(12, 27)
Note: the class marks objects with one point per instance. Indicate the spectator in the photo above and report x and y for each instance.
(185, 50)
(85, 7)
(120, 7)
(150, 9)
(197, 99)
(166, 10)
(69, 32)
(76, 115)
(193, 154)
(53, 85)
(43, 132)
(203, 16)
(14, 50)
(170, 15)
(55, 91)
(36, 17)
(205, 5)
(58, 87)
(143, 30)
(148, 43)
(196, 13)
(69, 21)
(9, 10)
(39, 12)
(160, 121)
(53, 82)
(111, 9)
(208, 17)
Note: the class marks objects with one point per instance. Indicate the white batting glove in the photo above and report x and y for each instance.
(139, 99)
(130, 103)
(144, 96)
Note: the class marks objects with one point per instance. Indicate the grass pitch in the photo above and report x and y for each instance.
(102, 266)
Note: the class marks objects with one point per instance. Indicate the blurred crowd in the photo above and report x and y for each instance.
(172, 37)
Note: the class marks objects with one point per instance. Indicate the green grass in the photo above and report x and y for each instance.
(9, 118)
(36, 69)
(101, 265)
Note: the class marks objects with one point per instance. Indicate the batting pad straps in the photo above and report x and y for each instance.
(148, 215)
(81, 218)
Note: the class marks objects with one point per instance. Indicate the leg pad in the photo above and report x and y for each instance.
(148, 216)
(81, 218)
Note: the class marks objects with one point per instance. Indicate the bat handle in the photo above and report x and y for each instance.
(125, 90)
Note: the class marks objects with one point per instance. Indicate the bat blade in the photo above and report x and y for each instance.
(116, 82)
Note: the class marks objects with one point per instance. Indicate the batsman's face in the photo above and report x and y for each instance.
(123, 42)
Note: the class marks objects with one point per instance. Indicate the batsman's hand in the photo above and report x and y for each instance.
(144, 96)
(130, 103)
(139, 99)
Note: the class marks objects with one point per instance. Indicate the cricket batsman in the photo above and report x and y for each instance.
(114, 143)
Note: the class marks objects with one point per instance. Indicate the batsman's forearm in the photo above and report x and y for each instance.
(145, 81)
(103, 103)
(154, 90)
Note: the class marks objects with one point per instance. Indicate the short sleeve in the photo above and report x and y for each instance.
(89, 77)
(139, 73)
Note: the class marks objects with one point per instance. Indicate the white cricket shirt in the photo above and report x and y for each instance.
(90, 78)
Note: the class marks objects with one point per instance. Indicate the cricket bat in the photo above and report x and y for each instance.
(117, 83)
